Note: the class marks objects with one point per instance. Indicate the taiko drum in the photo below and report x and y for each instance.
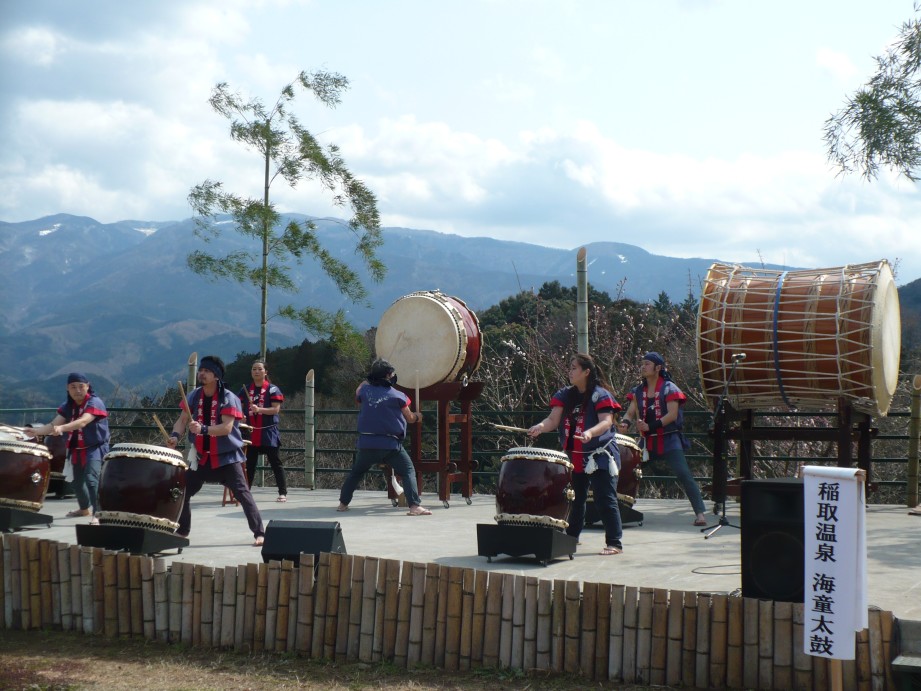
(25, 469)
(809, 337)
(429, 338)
(143, 486)
(534, 488)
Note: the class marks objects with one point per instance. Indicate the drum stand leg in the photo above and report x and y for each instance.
(720, 466)
(723, 522)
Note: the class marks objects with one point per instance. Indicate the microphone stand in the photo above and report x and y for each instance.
(716, 427)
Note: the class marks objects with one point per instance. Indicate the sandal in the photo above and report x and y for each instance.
(700, 522)
(419, 511)
(77, 513)
(282, 498)
(259, 541)
(915, 511)
(609, 551)
(94, 521)
(342, 507)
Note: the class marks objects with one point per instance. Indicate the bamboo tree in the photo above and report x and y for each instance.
(291, 153)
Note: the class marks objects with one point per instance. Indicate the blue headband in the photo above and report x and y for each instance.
(655, 358)
(212, 366)
(77, 377)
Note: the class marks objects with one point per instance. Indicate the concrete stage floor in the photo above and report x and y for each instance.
(665, 552)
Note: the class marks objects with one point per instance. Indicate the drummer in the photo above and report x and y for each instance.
(661, 422)
(583, 415)
(381, 430)
(216, 444)
(85, 421)
(261, 404)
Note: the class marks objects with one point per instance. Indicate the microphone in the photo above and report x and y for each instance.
(738, 357)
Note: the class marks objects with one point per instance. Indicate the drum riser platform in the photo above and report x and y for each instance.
(14, 519)
(128, 539)
(546, 544)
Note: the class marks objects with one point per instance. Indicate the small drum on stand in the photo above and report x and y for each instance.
(25, 469)
(429, 338)
(534, 488)
(142, 486)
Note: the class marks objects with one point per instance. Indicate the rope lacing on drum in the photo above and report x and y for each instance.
(783, 393)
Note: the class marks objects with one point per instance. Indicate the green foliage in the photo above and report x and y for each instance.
(288, 367)
(291, 152)
(881, 124)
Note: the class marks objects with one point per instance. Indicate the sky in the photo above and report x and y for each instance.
(688, 128)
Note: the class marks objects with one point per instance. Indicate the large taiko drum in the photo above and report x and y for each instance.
(809, 337)
(429, 338)
(534, 488)
(24, 474)
(142, 486)
(631, 469)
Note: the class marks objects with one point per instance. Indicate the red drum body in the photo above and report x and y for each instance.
(25, 469)
(429, 338)
(142, 486)
(809, 337)
(534, 488)
(631, 470)
(57, 447)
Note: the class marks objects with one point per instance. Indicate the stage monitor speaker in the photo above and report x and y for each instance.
(287, 539)
(773, 539)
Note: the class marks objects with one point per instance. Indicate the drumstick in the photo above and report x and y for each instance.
(418, 402)
(508, 429)
(162, 428)
(186, 401)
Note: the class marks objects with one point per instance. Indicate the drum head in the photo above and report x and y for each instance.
(13, 446)
(423, 337)
(887, 340)
(160, 454)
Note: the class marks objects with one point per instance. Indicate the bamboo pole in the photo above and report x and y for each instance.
(558, 630)
(262, 586)
(251, 584)
(51, 585)
(689, 641)
(16, 580)
(454, 608)
(442, 617)
(284, 604)
(377, 635)
(602, 632)
(175, 601)
(492, 617)
(351, 587)
(783, 645)
(505, 622)
(544, 626)
(573, 602)
(88, 577)
(644, 635)
(64, 596)
(404, 612)
(76, 589)
(304, 604)
(659, 648)
(368, 609)
(217, 608)
(417, 615)
(5, 578)
(148, 606)
(333, 588)
(196, 604)
(188, 599)
(529, 659)
(35, 586)
(110, 594)
(239, 609)
(886, 626)
(765, 644)
(673, 633)
(291, 633)
(136, 581)
(310, 430)
(161, 600)
(616, 638)
(391, 570)
(631, 614)
(467, 608)
(750, 643)
(702, 652)
(273, 583)
(719, 625)
(206, 606)
(863, 664)
(589, 630)
(319, 607)
(802, 663)
(517, 657)
(430, 613)
(23, 600)
(123, 574)
(228, 607)
(734, 639)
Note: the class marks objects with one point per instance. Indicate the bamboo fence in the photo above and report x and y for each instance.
(359, 608)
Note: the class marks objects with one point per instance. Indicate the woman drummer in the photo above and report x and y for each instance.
(661, 422)
(85, 421)
(262, 401)
(583, 415)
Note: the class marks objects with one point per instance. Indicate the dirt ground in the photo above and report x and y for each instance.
(59, 661)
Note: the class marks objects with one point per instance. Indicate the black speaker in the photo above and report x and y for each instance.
(287, 539)
(773, 539)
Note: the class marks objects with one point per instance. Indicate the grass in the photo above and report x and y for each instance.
(69, 661)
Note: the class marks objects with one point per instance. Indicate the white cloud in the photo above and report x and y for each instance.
(33, 45)
(837, 64)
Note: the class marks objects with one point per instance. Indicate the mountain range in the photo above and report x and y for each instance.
(118, 301)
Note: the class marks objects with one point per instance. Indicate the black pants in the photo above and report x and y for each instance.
(234, 479)
(271, 452)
